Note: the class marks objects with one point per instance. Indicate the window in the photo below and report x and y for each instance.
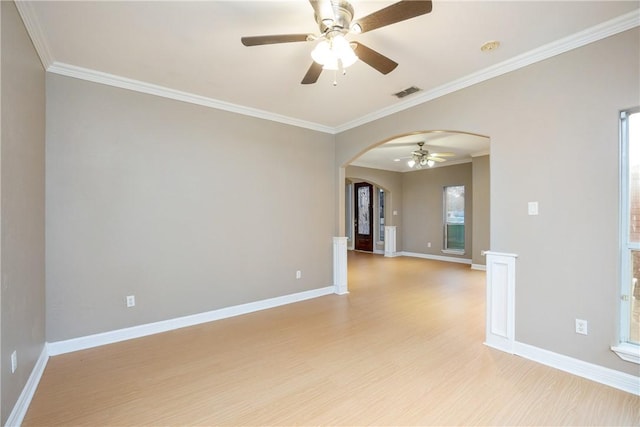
(381, 213)
(454, 219)
(629, 348)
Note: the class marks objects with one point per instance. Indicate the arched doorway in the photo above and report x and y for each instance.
(417, 203)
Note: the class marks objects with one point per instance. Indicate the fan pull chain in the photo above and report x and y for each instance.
(335, 73)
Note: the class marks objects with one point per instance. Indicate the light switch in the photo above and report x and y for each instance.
(533, 208)
(395, 212)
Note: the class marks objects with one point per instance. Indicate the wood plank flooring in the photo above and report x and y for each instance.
(403, 348)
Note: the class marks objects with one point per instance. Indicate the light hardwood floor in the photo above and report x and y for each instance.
(403, 348)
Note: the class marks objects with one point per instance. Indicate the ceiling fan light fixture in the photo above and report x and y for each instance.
(335, 20)
(342, 49)
(331, 65)
(321, 53)
(421, 158)
(334, 52)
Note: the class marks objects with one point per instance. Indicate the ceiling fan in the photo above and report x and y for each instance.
(421, 157)
(335, 21)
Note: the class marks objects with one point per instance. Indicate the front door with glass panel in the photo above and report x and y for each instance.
(363, 217)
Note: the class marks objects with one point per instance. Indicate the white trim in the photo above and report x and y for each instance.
(500, 254)
(31, 23)
(340, 261)
(436, 257)
(574, 41)
(481, 153)
(500, 301)
(628, 352)
(620, 380)
(481, 267)
(628, 283)
(152, 89)
(453, 251)
(390, 240)
(24, 400)
(81, 343)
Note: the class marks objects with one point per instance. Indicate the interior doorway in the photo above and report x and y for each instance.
(414, 205)
(363, 216)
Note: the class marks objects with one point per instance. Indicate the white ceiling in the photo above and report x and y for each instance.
(192, 50)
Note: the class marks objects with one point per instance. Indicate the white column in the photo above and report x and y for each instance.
(340, 265)
(501, 288)
(389, 240)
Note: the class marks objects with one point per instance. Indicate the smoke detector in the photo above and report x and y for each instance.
(489, 46)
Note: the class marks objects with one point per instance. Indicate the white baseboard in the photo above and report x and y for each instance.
(481, 267)
(437, 257)
(24, 400)
(82, 343)
(620, 380)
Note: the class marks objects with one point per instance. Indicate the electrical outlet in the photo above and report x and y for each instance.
(131, 301)
(582, 327)
(14, 361)
(428, 244)
(298, 274)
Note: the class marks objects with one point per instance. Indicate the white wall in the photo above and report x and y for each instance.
(554, 136)
(190, 209)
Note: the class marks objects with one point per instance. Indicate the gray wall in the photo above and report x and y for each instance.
(188, 208)
(422, 203)
(554, 136)
(480, 170)
(22, 152)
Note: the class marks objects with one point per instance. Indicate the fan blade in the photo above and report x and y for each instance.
(274, 39)
(397, 12)
(435, 159)
(443, 154)
(312, 74)
(375, 59)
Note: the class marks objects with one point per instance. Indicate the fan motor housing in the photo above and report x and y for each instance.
(336, 15)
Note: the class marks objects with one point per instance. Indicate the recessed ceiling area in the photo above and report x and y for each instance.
(394, 154)
(194, 47)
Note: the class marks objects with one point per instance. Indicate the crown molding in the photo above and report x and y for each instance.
(598, 32)
(582, 38)
(480, 153)
(31, 23)
(151, 89)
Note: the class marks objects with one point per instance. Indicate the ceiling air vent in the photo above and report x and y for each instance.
(407, 91)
